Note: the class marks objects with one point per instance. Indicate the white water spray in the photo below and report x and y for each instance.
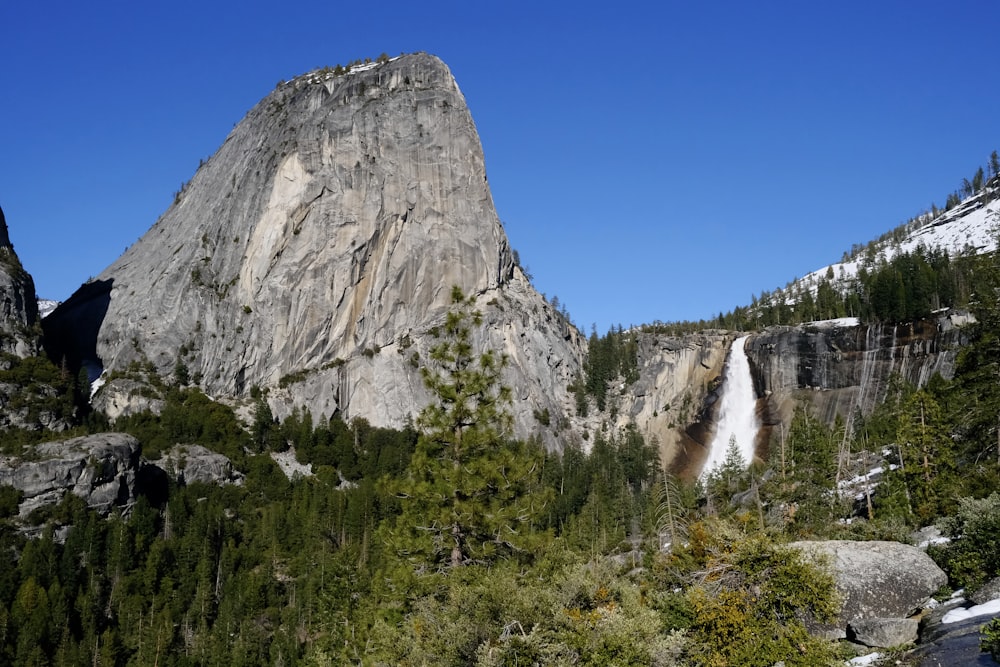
(737, 415)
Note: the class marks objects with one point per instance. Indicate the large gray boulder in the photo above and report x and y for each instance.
(876, 579)
(99, 468)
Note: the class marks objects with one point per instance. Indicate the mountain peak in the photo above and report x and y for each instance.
(314, 251)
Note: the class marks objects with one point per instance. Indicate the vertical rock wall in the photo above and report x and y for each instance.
(841, 371)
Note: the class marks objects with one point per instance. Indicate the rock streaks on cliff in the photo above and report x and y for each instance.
(845, 370)
(312, 253)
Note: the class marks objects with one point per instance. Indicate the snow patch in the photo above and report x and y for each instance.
(987, 608)
(834, 323)
(45, 307)
(869, 659)
(941, 539)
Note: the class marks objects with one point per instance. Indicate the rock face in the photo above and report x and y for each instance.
(18, 303)
(840, 369)
(313, 252)
(946, 644)
(876, 579)
(669, 400)
(124, 396)
(194, 463)
(884, 632)
(100, 468)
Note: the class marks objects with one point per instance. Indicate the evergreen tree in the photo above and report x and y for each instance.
(471, 494)
(927, 463)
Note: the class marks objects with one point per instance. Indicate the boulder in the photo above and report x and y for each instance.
(989, 591)
(884, 632)
(193, 463)
(99, 468)
(875, 579)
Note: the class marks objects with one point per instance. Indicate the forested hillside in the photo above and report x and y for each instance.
(451, 542)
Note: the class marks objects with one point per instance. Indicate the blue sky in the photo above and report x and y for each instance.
(650, 161)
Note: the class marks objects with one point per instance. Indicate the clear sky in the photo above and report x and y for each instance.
(650, 161)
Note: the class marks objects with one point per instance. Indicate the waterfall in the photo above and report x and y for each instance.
(737, 412)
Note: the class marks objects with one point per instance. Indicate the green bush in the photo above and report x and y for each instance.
(973, 557)
(990, 641)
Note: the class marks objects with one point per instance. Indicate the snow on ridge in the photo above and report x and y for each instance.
(327, 73)
(834, 323)
(45, 307)
(971, 224)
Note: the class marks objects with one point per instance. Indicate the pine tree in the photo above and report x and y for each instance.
(927, 460)
(471, 494)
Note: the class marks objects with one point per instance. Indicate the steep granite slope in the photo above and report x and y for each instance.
(313, 252)
(18, 303)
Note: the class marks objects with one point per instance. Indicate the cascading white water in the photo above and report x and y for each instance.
(737, 414)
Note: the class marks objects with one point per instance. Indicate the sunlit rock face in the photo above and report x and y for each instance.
(99, 468)
(18, 303)
(312, 254)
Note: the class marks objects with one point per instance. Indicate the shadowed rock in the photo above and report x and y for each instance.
(18, 302)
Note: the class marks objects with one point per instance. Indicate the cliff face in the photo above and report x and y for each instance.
(842, 370)
(835, 370)
(100, 468)
(18, 303)
(672, 401)
(312, 253)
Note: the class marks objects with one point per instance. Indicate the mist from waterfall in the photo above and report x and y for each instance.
(737, 412)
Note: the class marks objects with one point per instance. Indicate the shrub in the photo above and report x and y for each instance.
(990, 641)
(750, 600)
(974, 555)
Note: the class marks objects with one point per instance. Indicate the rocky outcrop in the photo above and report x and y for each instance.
(121, 397)
(876, 579)
(677, 375)
(18, 302)
(839, 370)
(884, 632)
(314, 251)
(100, 468)
(190, 464)
(952, 643)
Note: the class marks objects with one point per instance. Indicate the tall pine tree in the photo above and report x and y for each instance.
(471, 494)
